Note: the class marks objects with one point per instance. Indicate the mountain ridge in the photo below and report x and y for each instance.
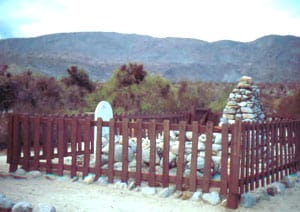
(271, 58)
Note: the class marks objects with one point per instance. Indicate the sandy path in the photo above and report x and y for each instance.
(67, 196)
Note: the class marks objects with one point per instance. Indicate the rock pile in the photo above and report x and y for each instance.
(173, 154)
(243, 103)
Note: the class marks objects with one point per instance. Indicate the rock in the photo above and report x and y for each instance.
(196, 196)
(146, 156)
(172, 160)
(89, 179)
(22, 207)
(42, 207)
(247, 200)
(217, 138)
(20, 172)
(149, 190)
(280, 187)
(177, 194)
(174, 148)
(118, 153)
(246, 79)
(34, 174)
(212, 198)
(189, 135)
(216, 147)
(202, 138)
(103, 180)
(186, 195)
(272, 191)
(166, 192)
(201, 146)
(121, 185)
(5, 202)
(131, 185)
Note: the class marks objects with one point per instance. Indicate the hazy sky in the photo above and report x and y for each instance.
(210, 20)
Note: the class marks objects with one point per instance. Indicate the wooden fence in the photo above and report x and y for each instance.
(252, 155)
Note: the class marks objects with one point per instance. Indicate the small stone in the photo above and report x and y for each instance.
(42, 207)
(216, 147)
(186, 195)
(89, 179)
(178, 194)
(149, 190)
(121, 185)
(131, 185)
(22, 207)
(212, 198)
(280, 187)
(217, 138)
(119, 155)
(103, 180)
(202, 138)
(166, 192)
(34, 174)
(20, 172)
(189, 135)
(5, 202)
(271, 191)
(196, 196)
(247, 200)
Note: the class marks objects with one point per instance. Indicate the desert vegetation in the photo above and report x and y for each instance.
(131, 89)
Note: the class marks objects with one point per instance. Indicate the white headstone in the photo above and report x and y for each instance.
(104, 111)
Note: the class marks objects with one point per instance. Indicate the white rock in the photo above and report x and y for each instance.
(217, 138)
(22, 207)
(202, 138)
(189, 135)
(42, 207)
(148, 190)
(196, 196)
(216, 147)
(166, 192)
(212, 198)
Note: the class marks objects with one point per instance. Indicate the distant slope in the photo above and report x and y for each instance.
(268, 59)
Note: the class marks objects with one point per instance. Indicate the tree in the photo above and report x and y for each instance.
(80, 78)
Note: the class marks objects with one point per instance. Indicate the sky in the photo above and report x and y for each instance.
(209, 20)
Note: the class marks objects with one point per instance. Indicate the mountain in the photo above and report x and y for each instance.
(271, 58)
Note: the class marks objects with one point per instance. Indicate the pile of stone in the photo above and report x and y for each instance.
(173, 153)
(243, 103)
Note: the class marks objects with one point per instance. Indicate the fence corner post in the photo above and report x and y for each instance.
(233, 195)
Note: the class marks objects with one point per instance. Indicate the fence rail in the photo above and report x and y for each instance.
(251, 155)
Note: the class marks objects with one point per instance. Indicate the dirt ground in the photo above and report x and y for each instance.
(68, 196)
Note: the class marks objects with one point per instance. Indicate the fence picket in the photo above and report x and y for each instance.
(49, 145)
(125, 134)
(152, 137)
(73, 137)
(25, 141)
(87, 152)
(224, 160)
(166, 150)
(180, 161)
(111, 151)
(193, 175)
(233, 196)
(138, 133)
(208, 161)
(98, 152)
(61, 145)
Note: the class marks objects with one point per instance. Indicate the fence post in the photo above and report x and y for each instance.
(233, 196)
(15, 146)
(297, 145)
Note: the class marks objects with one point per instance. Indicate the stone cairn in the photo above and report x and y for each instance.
(243, 103)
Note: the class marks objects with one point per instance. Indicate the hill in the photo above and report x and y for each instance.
(271, 58)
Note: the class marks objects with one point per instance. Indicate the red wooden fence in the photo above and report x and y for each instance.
(252, 155)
